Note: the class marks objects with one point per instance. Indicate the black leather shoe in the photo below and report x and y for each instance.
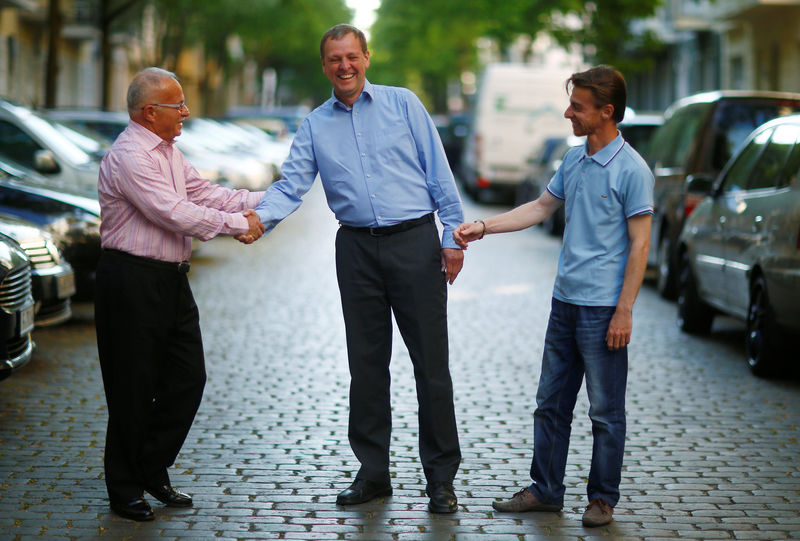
(443, 497)
(169, 496)
(136, 509)
(362, 491)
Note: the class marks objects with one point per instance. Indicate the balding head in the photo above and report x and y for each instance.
(146, 84)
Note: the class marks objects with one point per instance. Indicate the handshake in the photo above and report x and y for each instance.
(256, 228)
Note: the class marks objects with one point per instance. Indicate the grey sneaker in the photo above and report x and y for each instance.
(524, 500)
(598, 513)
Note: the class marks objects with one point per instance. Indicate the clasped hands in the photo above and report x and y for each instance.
(256, 228)
(466, 233)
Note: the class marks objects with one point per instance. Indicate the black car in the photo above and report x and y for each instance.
(70, 217)
(52, 276)
(699, 135)
(16, 307)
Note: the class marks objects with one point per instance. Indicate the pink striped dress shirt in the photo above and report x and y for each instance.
(152, 201)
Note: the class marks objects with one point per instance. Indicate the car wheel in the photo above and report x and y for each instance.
(694, 315)
(762, 333)
(665, 278)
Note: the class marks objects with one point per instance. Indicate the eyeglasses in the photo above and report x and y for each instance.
(181, 105)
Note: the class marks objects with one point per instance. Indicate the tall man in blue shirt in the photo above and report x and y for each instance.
(607, 190)
(385, 173)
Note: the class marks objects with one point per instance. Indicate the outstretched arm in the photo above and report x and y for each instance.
(516, 219)
(619, 330)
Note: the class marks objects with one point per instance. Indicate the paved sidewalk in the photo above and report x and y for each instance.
(712, 451)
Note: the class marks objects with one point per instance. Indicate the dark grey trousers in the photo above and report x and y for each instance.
(397, 274)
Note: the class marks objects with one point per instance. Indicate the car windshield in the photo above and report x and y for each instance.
(56, 141)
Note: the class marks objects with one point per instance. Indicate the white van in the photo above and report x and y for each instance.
(517, 106)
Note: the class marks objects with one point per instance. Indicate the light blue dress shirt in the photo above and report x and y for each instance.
(600, 192)
(381, 162)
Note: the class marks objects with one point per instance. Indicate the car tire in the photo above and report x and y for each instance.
(762, 337)
(666, 282)
(694, 315)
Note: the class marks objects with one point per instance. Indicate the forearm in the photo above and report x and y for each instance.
(634, 274)
(523, 216)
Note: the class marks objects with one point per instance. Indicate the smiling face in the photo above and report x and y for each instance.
(166, 122)
(586, 117)
(345, 65)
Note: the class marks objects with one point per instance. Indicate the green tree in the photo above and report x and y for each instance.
(424, 44)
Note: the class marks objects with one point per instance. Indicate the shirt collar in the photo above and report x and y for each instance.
(366, 93)
(607, 153)
(149, 139)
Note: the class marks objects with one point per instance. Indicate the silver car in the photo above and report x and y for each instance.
(739, 251)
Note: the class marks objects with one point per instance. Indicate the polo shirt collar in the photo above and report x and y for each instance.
(608, 152)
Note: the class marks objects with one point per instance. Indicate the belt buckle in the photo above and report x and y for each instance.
(183, 267)
(375, 232)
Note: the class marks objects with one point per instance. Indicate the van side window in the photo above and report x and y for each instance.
(767, 172)
(737, 177)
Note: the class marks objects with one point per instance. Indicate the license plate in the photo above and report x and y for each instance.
(65, 285)
(26, 321)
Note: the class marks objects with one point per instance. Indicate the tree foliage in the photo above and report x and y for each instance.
(279, 34)
(426, 43)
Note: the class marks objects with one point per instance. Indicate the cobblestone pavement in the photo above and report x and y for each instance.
(712, 451)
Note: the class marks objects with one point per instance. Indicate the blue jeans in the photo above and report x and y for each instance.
(575, 345)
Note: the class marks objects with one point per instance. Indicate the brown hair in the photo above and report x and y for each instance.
(606, 85)
(338, 32)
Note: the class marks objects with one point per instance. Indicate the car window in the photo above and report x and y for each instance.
(17, 145)
(671, 143)
(736, 119)
(766, 173)
(738, 174)
(790, 171)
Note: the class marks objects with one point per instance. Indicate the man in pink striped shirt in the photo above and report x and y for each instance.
(148, 329)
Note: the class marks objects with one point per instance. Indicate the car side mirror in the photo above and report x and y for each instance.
(45, 162)
(699, 185)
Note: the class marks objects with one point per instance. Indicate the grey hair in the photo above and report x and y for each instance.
(338, 32)
(143, 83)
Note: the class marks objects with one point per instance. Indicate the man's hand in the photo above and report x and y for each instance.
(466, 233)
(619, 330)
(256, 228)
(452, 261)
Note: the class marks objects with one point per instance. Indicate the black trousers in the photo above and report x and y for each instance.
(397, 274)
(151, 356)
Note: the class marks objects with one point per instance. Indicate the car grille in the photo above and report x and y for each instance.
(15, 290)
(39, 254)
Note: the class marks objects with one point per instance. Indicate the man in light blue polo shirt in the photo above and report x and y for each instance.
(607, 190)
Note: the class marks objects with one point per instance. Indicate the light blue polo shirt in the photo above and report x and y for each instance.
(600, 193)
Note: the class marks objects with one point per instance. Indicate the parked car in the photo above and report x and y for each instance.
(453, 130)
(213, 153)
(541, 171)
(70, 217)
(739, 251)
(31, 140)
(52, 276)
(16, 308)
(699, 135)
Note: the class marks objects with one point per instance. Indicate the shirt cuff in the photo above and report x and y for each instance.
(447, 240)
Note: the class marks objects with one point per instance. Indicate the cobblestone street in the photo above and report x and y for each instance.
(712, 451)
